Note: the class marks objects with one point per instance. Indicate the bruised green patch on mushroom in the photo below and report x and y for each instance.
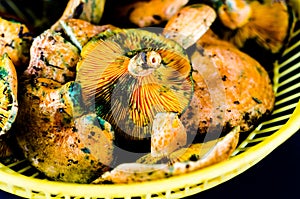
(129, 75)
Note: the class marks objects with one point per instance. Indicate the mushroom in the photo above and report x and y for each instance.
(8, 90)
(15, 41)
(80, 31)
(129, 82)
(130, 75)
(153, 12)
(179, 29)
(247, 90)
(14, 55)
(52, 57)
(59, 136)
(141, 172)
(235, 13)
(270, 32)
(90, 11)
(226, 89)
(217, 105)
(168, 134)
(54, 130)
(259, 29)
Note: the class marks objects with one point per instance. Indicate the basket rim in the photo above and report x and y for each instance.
(237, 163)
(217, 173)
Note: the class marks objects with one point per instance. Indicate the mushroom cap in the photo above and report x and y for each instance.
(248, 91)
(52, 57)
(15, 41)
(80, 31)
(58, 137)
(8, 90)
(147, 13)
(129, 75)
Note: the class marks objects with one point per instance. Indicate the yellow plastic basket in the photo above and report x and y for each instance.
(21, 179)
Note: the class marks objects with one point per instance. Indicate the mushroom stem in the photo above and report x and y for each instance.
(144, 63)
(168, 134)
(235, 13)
(179, 27)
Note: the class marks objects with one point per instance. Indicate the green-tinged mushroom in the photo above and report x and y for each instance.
(58, 136)
(54, 130)
(130, 75)
(8, 90)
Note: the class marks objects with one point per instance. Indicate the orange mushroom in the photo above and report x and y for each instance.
(131, 75)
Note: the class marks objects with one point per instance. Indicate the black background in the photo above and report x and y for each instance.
(276, 176)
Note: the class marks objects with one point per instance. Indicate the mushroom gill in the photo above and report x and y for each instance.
(129, 75)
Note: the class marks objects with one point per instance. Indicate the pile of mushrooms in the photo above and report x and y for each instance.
(99, 103)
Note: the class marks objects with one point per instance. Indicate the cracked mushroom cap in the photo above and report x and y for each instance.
(129, 75)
